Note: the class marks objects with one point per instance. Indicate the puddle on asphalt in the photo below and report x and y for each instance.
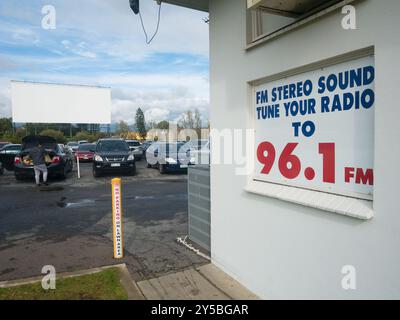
(62, 203)
(176, 196)
(142, 197)
(78, 204)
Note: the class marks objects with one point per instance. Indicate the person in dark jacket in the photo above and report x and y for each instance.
(37, 154)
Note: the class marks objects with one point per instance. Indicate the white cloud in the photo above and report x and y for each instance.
(23, 34)
(157, 114)
(166, 103)
(78, 49)
(95, 36)
(66, 43)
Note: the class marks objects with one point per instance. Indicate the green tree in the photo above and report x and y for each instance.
(122, 128)
(140, 123)
(16, 137)
(98, 135)
(58, 135)
(82, 135)
(5, 126)
(163, 125)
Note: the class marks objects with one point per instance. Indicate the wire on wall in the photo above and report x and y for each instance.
(148, 41)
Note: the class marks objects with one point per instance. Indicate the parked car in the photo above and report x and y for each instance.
(7, 155)
(136, 148)
(3, 143)
(197, 144)
(59, 161)
(73, 146)
(200, 151)
(113, 155)
(168, 156)
(85, 152)
(68, 154)
(145, 145)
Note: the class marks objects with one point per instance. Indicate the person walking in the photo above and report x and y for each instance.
(37, 154)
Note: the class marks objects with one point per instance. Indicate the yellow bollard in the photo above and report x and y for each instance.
(117, 218)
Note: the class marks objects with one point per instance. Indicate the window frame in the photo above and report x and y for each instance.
(253, 25)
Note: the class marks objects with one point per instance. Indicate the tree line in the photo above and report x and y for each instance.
(91, 132)
(188, 120)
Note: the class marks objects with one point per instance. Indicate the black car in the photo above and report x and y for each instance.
(59, 161)
(7, 155)
(3, 144)
(113, 155)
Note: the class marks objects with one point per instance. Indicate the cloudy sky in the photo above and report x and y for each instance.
(101, 42)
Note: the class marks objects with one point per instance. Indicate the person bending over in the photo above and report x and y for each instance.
(37, 154)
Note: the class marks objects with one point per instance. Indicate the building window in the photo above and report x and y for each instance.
(270, 18)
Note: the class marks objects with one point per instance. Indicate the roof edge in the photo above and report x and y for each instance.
(201, 5)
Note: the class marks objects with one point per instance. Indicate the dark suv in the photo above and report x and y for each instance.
(113, 155)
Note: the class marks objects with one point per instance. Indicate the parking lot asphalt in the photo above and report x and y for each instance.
(68, 224)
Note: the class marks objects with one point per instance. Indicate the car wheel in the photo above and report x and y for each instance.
(63, 175)
(162, 168)
(133, 171)
(96, 173)
(148, 165)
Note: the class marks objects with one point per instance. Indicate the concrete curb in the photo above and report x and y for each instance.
(129, 285)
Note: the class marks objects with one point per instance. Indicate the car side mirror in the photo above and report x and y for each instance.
(156, 153)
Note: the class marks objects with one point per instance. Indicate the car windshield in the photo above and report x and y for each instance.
(197, 144)
(15, 148)
(134, 143)
(72, 144)
(112, 145)
(87, 147)
(171, 147)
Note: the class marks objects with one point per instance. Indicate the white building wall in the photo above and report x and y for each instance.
(281, 250)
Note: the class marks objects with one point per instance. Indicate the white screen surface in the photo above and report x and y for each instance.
(58, 103)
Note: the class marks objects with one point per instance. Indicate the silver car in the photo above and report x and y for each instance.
(200, 151)
(136, 148)
(73, 146)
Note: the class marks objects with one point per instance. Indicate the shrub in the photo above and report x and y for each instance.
(58, 135)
